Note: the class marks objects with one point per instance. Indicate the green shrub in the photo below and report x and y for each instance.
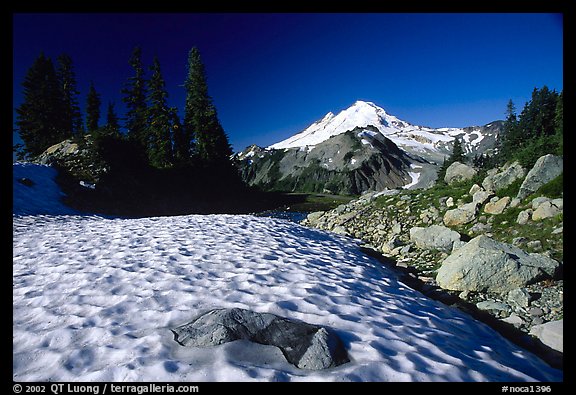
(554, 188)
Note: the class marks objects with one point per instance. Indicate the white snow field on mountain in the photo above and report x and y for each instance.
(432, 143)
(94, 299)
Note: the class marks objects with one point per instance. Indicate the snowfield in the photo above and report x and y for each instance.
(94, 300)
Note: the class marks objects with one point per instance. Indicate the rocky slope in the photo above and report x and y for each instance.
(491, 243)
(350, 163)
(361, 148)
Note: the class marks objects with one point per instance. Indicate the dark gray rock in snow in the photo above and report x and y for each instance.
(304, 345)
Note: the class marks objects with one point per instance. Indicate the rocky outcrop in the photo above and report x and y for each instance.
(544, 170)
(487, 265)
(304, 345)
(79, 158)
(458, 172)
(395, 224)
(354, 162)
(503, 177)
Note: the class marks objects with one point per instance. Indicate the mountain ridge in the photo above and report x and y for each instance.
(432, 143)
(422, 150)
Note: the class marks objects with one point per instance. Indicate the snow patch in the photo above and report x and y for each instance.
(94, 298)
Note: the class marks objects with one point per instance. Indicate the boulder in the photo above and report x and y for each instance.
(492, 305)
(458, 172)
(538, 201)
(304, 345)
(498, 206)
(481, 196)
(514, 319)
(461, 215)
(487, 265)
(548, 209)
(58, 151)
(545, 169)
(436, 237)
(315, 216)
(524, 216)
(504, 178)
(474, 188)
(551, 334)
(519, 297)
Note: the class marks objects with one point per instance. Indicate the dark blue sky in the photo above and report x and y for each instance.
(271, 75)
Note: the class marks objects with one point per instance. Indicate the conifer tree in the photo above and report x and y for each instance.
(201, 122)
(39, 117)
(112, 124)
(71, 116)
(181, 144)
(457, 152)
(559, 124)
(92, 109)
(135, 99)
(159, 145)
(509, 137)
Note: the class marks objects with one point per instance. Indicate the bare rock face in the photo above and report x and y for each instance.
(304, 345)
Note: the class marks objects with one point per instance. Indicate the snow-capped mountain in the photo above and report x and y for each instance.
(361, 148)
(429, 143)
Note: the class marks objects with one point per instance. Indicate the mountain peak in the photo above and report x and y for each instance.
(360, 114)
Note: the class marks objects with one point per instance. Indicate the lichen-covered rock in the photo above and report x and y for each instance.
(498, 206)
(545, 169)
(548, 209)
(461, 215)
(487, 265)
(458, 172)
(503, 178)
(436, 237)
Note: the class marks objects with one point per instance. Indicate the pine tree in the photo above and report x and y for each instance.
(92, 109)
(135, 99)
(457, 152)
(510, 136)
(534, 132)
(201, 122)
(71, 116)
(181, 144)
(559, 115)
(39, 117)
(112, 124)
(159, 145)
